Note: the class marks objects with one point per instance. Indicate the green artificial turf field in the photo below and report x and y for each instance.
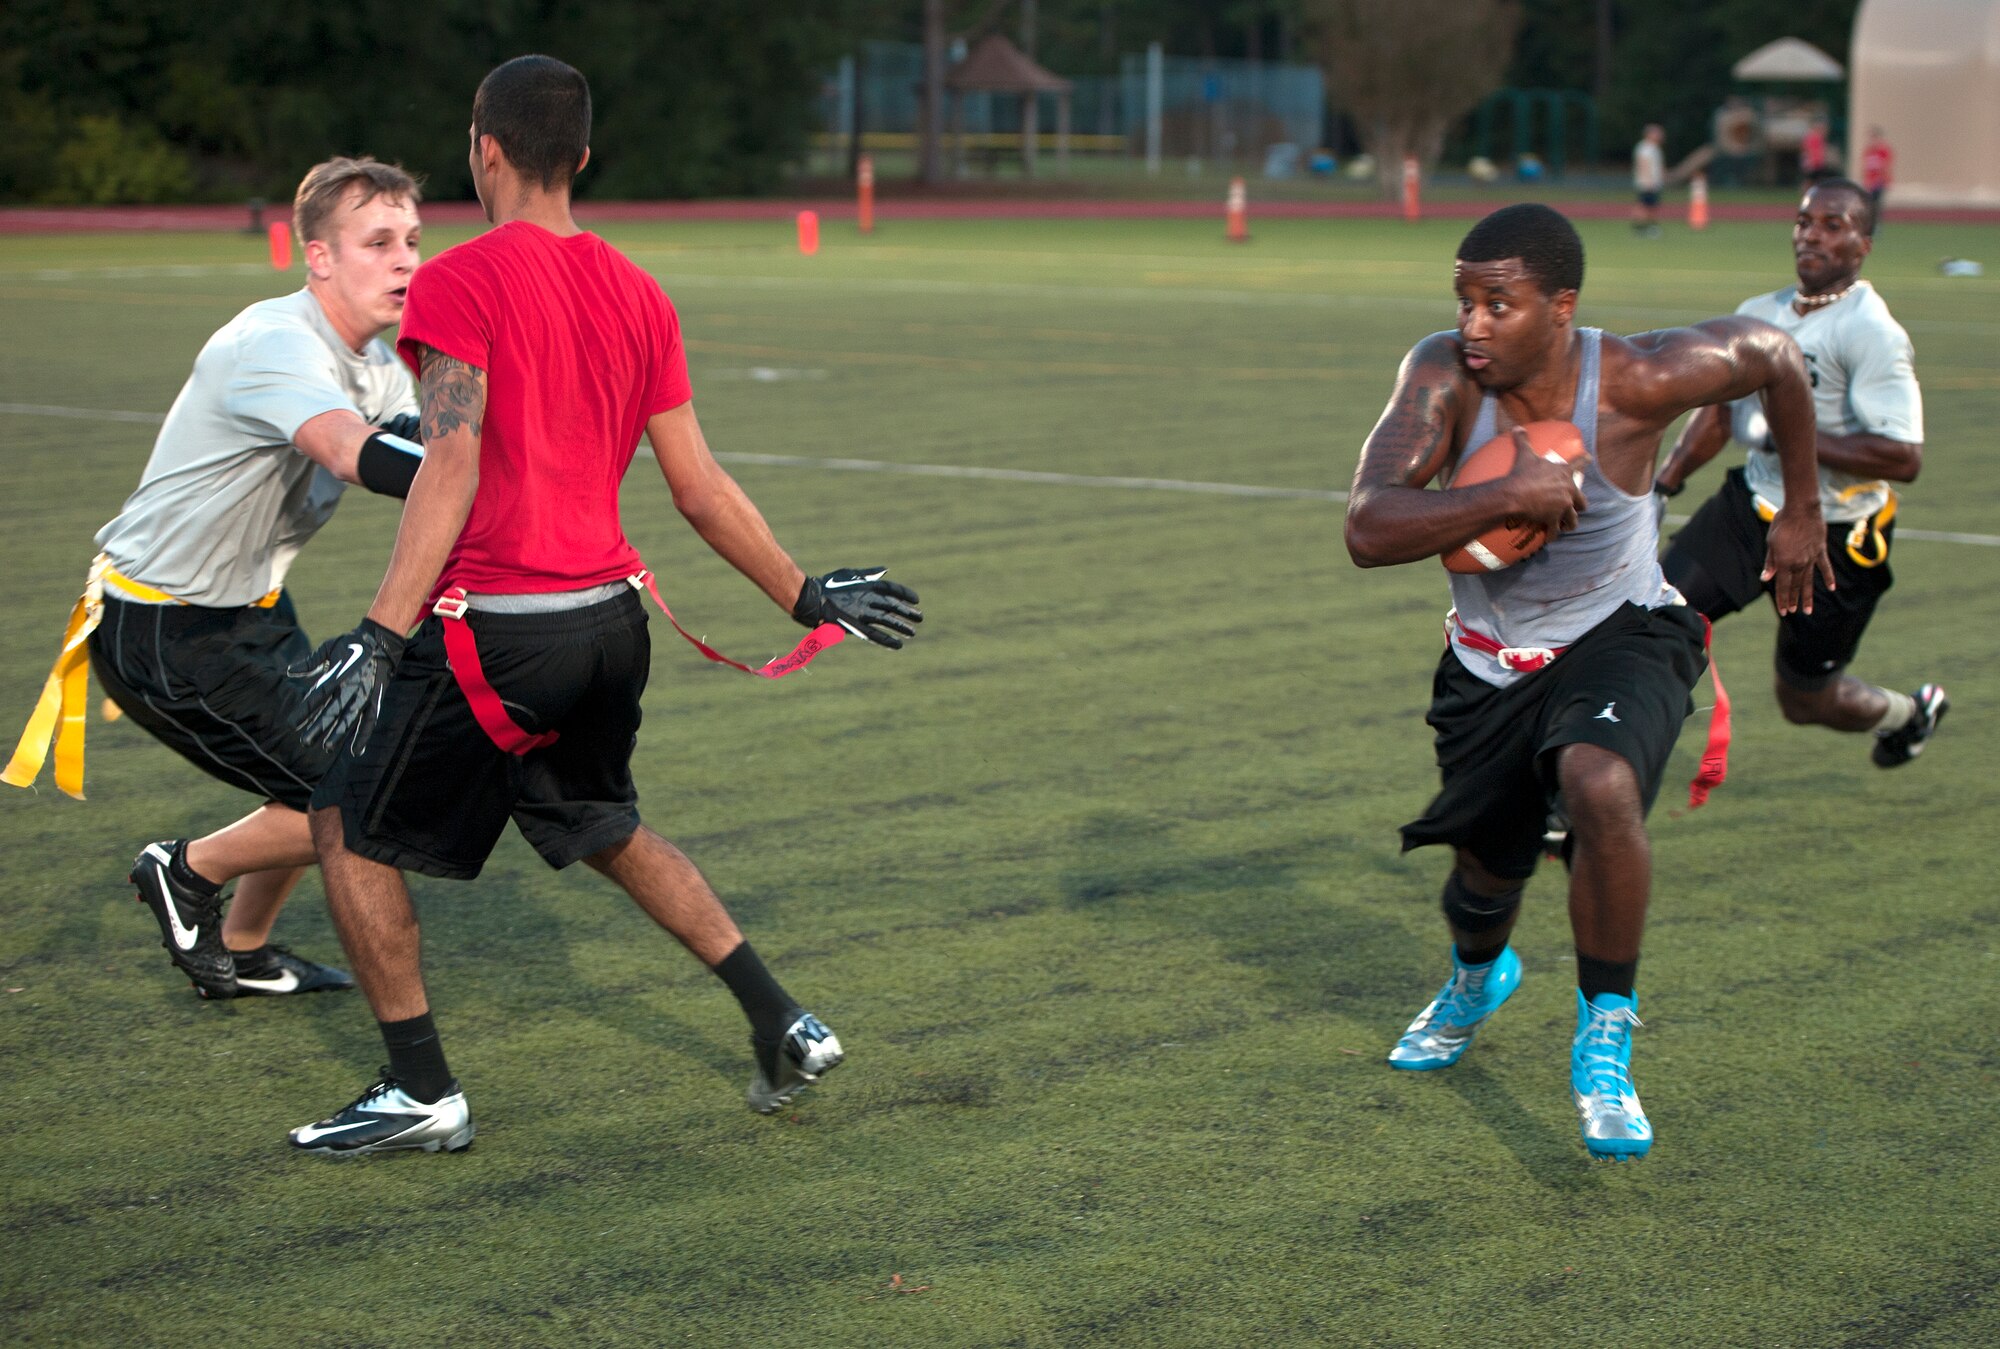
(1097, 881)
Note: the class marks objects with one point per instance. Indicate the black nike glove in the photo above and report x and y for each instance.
(858, 599)
(408, 425)
(344, 681)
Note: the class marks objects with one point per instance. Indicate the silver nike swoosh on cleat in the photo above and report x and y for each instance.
(312, 1133)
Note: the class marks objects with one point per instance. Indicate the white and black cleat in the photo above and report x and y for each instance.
(272, 971)
(805, 1053)
(1895, 748)
(388, 1119)
(190, 924)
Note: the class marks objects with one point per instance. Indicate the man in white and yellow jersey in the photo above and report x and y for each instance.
(288, 402)
(1870, 436)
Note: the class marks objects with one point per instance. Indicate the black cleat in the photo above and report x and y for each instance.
(271, 970)
(1895, 748)
(190, 924)
(385, 1118)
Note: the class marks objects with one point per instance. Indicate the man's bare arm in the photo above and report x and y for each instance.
(1871, 456)
(454, 405)
(1700, 441)
(1391, 519)
(725, 517)
(333, 440)
(1720, 361)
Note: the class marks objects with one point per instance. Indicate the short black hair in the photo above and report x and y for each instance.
(538, 109)
(1862, 196)
(1542, 238)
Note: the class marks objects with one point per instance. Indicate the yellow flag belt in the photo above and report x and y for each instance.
(59, 716)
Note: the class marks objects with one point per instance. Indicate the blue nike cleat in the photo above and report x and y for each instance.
(1600, 1077)
(1443, 1030)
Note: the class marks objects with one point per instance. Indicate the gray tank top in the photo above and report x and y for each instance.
(1611, 558)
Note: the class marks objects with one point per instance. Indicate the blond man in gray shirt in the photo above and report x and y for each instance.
(288, 403)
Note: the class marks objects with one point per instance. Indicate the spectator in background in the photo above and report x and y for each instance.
(1649, 175)
(1877, 166)
(1812, 152)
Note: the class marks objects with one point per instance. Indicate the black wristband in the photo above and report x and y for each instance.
(806, 609)
(1669, 492)
(388, 464)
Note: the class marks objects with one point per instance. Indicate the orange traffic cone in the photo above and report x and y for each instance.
(808, 232)
(1412, 182)
(280, 235)
(1698, 202)
(864, 190)
(1239, 212)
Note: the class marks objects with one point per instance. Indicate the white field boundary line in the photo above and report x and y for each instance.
(1277, 295)
(1230, 489)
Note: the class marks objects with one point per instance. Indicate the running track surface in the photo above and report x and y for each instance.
(106, 219)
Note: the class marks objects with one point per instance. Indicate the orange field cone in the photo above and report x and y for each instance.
(1239, 212)
(1698, 202)
(280, 235)
(1412, 184)
(864, 195)
(808, 232)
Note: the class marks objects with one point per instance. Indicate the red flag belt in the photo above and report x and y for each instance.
(1714, 755)
(500, 726)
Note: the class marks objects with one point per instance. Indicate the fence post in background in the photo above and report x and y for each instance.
(1156, 97)
(1239, 213)
(864, 195)
(1412, 187)
(1698, 202)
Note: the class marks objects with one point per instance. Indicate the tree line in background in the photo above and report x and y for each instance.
(160, 100)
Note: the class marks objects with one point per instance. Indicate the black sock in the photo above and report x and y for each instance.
(770, 1009)
(1596, 976)
(416, 1057)
(183, 874)
(1483, 956)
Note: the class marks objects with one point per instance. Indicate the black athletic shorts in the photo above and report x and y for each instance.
(210, 684)
(431, 792)
(1623, 686)
(1716, 560)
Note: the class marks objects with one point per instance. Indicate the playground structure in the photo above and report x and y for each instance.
(1543, 127)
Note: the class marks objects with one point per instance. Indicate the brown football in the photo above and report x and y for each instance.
(1559, 442)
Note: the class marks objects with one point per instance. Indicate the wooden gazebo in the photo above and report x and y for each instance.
(997, 66)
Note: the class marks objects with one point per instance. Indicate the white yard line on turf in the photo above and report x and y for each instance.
(1278, 294)
(1231, 489)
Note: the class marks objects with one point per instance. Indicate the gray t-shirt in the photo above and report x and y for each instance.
(1864, 379)
(226, 501)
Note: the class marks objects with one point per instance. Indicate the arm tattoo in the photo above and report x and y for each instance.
(1412, 442)
(454, 395)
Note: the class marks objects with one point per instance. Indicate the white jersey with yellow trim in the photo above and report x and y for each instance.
(226, 501)
(1864, 380)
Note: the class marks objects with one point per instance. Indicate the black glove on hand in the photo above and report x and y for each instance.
(858, 599)
(408, 425)
(344, 681)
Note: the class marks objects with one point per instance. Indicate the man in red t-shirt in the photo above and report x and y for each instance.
(543, 354)
(1878, 165)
